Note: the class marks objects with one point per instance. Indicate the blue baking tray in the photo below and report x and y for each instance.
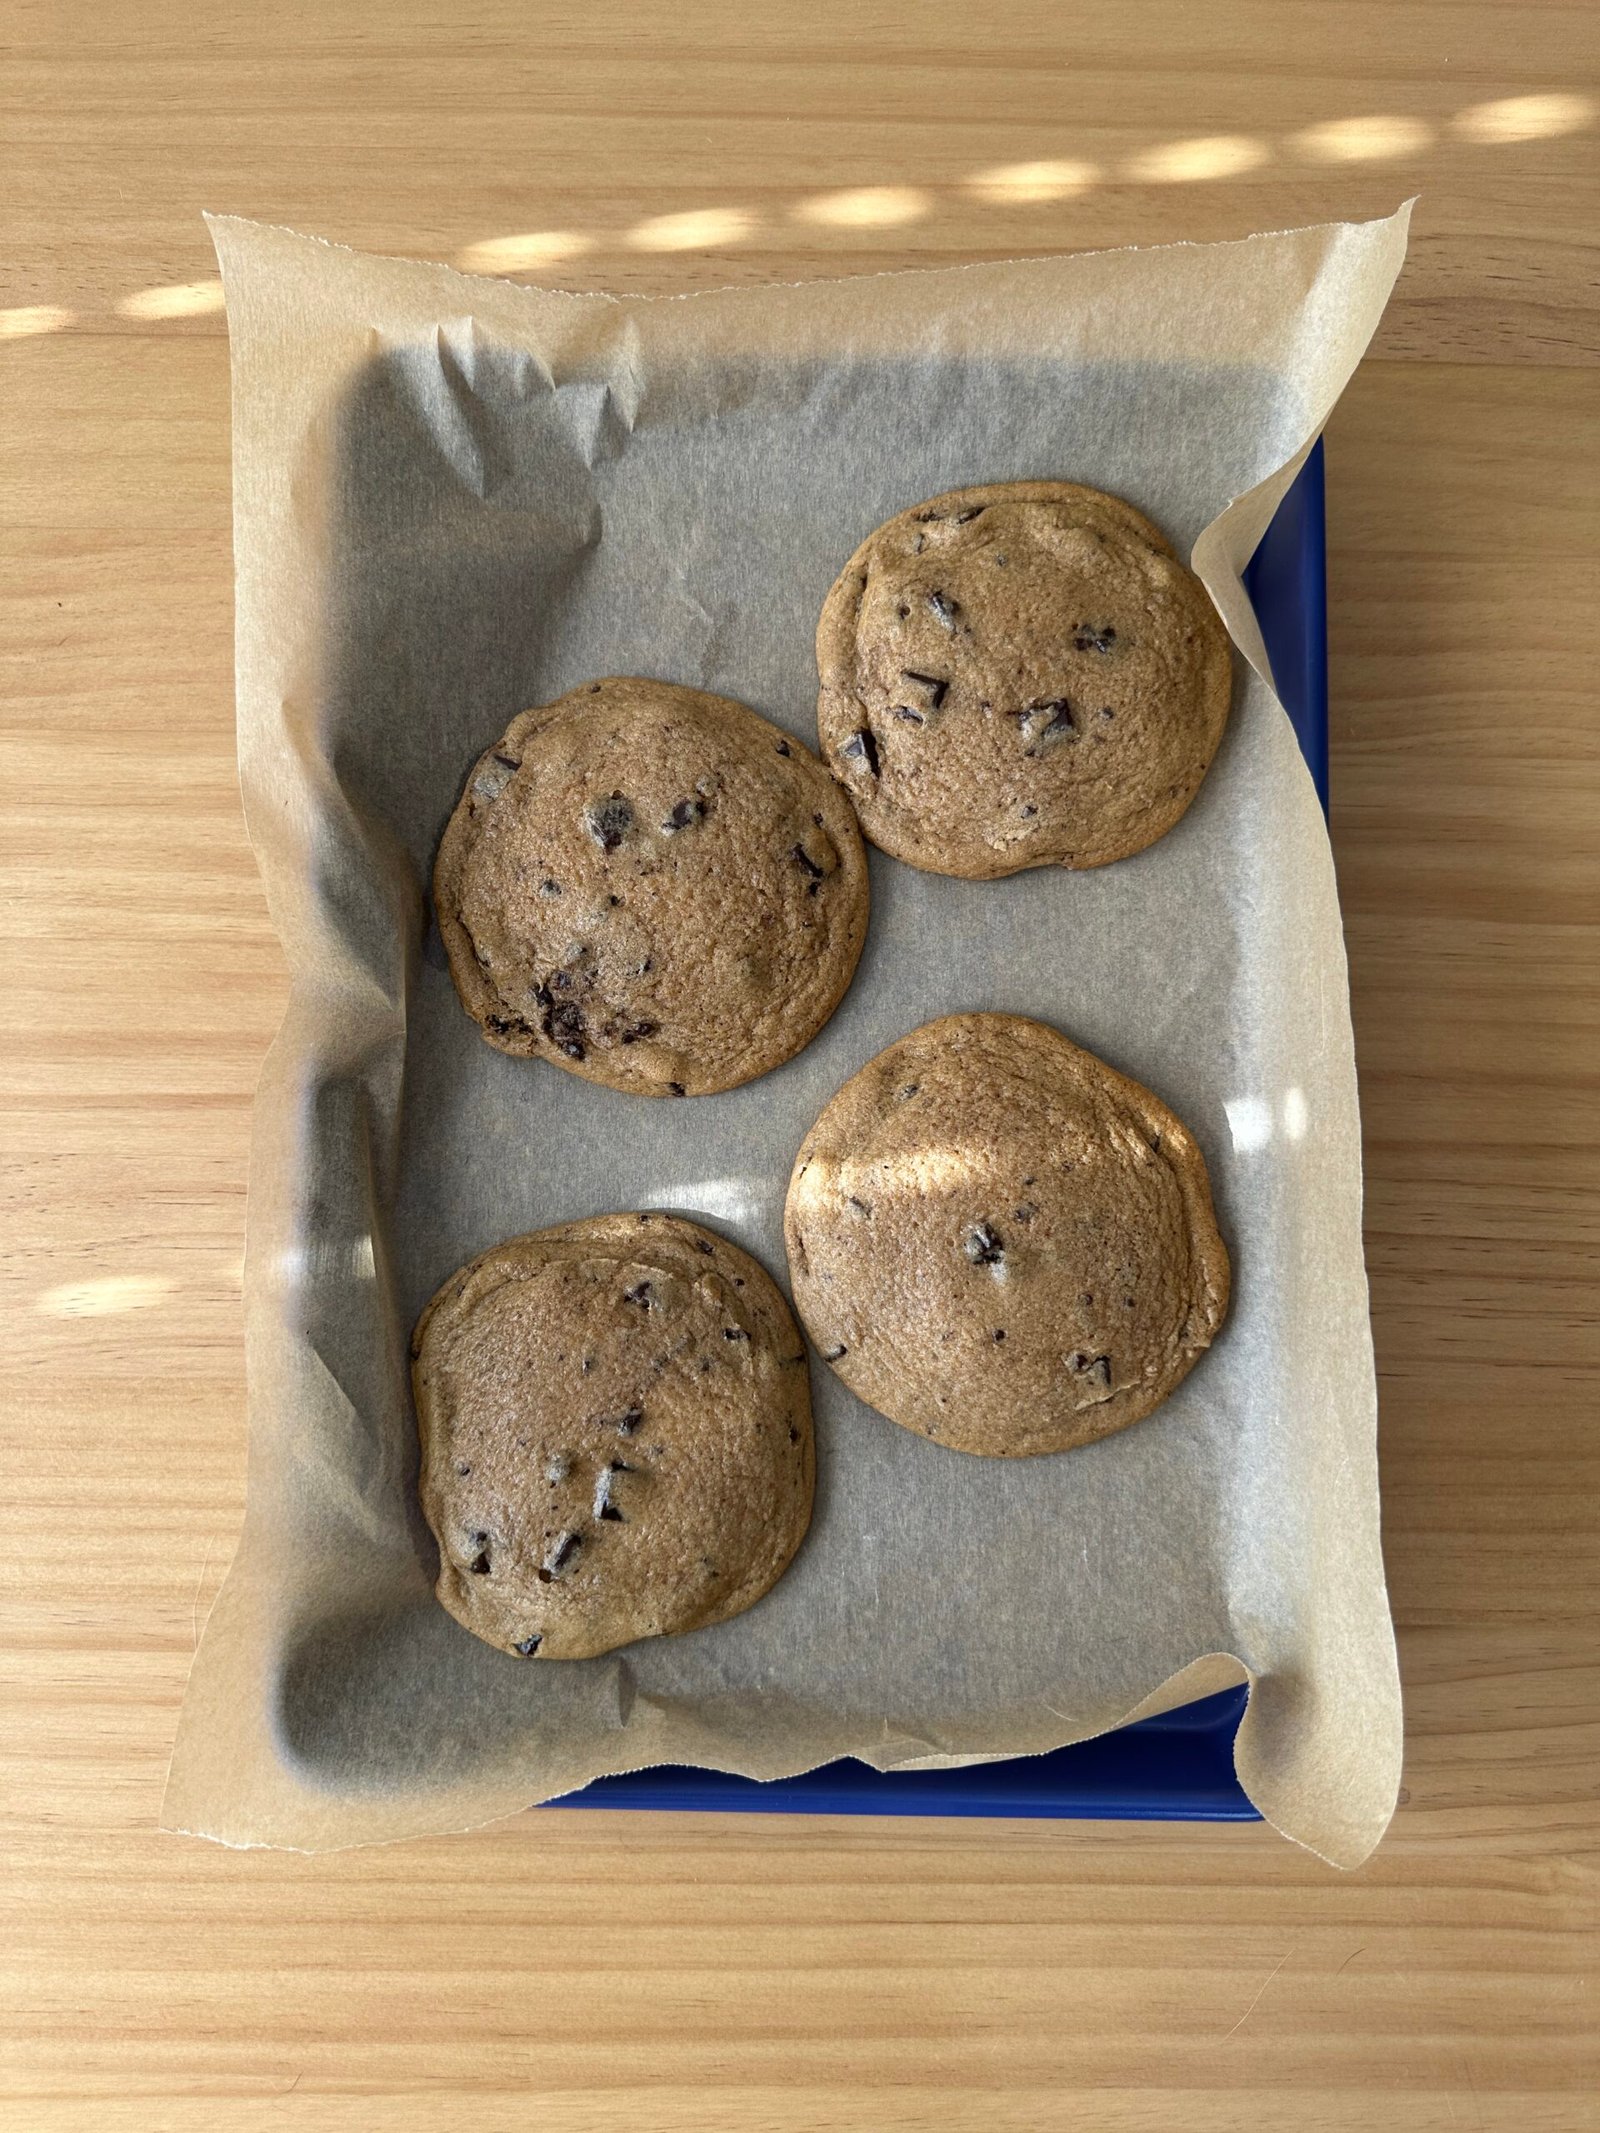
(1178, 1767)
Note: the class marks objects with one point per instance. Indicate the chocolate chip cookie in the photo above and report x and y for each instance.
(997, 1240)
(651, 887)
(1019, 675)
(616, 1435)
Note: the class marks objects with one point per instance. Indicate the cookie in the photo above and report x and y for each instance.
(616, 1435)
(1019, 675)
(999, 1241)
(651, 887)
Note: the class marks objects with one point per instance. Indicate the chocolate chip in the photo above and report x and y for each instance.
(1090, 639)
(511, 762)
(641, 1294)
(907, 716)
(982, 1246)
(701, 1245)
(549, 888)
(999, 1333)
(685, 812)
(734, 1333)
(855, 1202)
(1027, 813)
(1106, 711)
(862, 747)
(560, 1553)
(462, 1468)
(784, 748)
(603, 1506)
(803, 859)
(937, 689)
(908, 1089)
(677, 1088)
(480, 1565)
(1059, 721)
(609, 821)
(1097, 1367)
(507, 1025)
(904, 612)
(943, 609)
(832, 1355)
(529, 1646)
(794, 1434)
(965, 518)
(637, 1030)
(627, 1423)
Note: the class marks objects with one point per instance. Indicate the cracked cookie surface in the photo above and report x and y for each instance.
(615, 1419)
(1000, 1242)
(651, 887)
(1017, 675)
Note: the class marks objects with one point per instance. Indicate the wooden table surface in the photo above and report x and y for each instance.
(665, 1973)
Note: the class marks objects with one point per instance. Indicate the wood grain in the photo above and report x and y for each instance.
(699, 1973)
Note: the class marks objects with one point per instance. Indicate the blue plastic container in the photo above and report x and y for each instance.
(1178, 1767)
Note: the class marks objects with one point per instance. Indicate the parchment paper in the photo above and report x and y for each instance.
(457, 497)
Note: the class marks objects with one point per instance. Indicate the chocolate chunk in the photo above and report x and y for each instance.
(862, 747)
(803, 859)
(529, 1646)
(609, 821)
(637, 1030)
(677, 1088)
(560, 1553)
(682, 815)
(627, 1423)
(1097, 1367)
(480, 1562)
(549, 888)
(784, 748)
(506, 1025)
(1089, 639)
(832, 1355)
(641, 1294)
(908, 1089)
(982, 1246)
(1027, 813)
(734, 1333)
(937, 689)
(701, 1245)
(1059, 721)
(943, 609)
(999, 1333)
